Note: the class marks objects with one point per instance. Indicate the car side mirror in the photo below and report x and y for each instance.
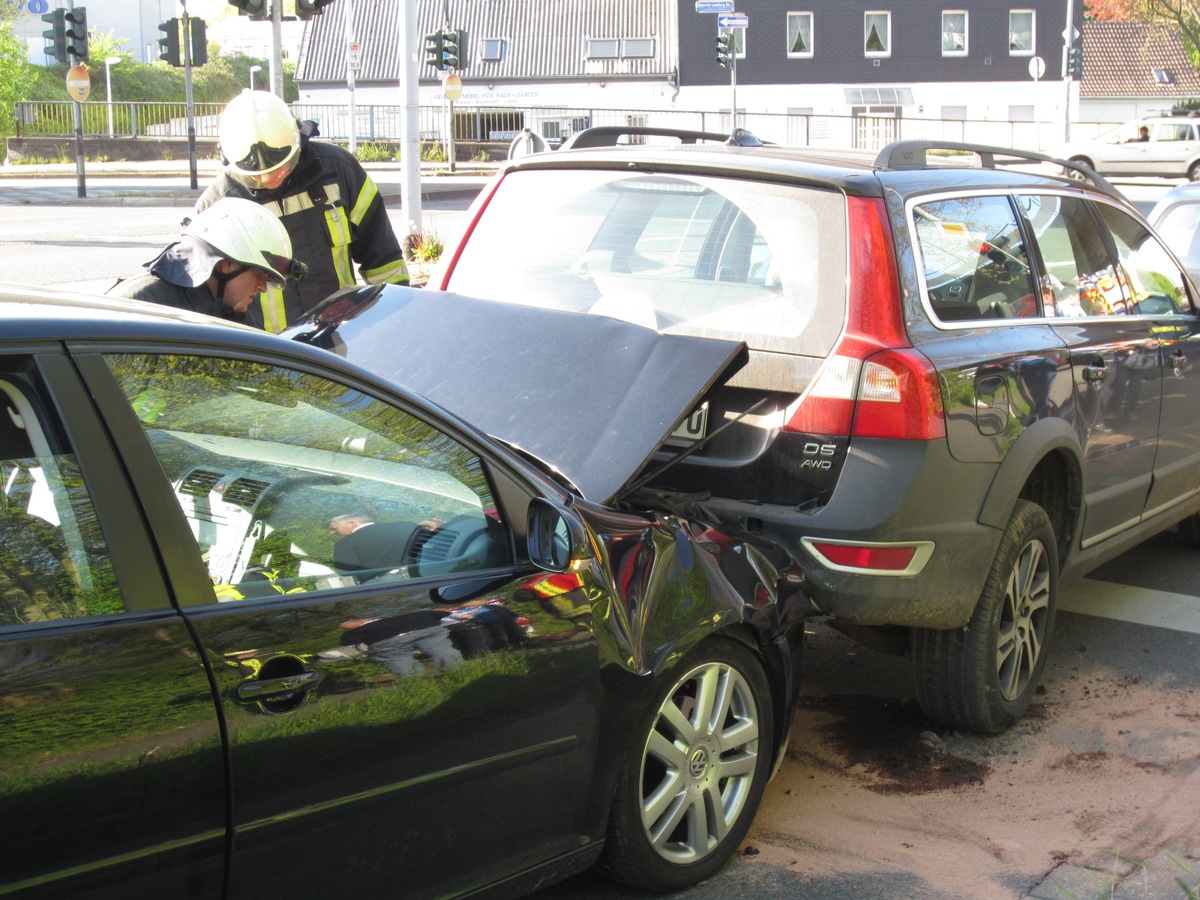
(557, 539)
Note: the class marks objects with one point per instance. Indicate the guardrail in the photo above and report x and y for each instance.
(483, 124)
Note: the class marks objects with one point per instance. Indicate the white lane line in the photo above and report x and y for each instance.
(1141, 606)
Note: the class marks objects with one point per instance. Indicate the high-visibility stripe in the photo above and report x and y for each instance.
(393, 273)
(273, 309)
(300, 202)
(339, 237)
(366, 196)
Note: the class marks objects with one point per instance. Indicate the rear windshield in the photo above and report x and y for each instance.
(725, 258)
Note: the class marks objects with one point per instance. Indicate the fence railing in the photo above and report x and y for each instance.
(485, 124)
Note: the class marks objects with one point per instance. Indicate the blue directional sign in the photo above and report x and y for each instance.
(714, 6)
(734, 20)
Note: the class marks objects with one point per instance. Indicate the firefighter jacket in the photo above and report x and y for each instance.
(335, 217)
(155, 289)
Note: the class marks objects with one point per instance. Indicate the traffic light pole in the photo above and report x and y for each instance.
(187, 94)
(80, 179)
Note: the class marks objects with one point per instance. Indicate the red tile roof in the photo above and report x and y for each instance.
(1120, 58)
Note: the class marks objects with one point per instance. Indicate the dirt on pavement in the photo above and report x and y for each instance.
(1103, 773)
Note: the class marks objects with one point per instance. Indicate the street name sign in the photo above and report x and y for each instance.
(714, 6)
(734, 20)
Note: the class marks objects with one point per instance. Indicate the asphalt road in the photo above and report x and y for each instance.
(1138, 614)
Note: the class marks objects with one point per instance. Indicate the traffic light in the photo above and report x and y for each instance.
(199, 41)
(56, 34)
(454, 55)
(255, 9)
(169, 43)
(1075, 62)
(725, 49)
(433, 50)
(306, 9)
(76, 34)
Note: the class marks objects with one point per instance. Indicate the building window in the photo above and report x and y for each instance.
(739, 43)
(877, 31)
(603, 48)
(800, 35)
(1164, 76)
(492, 49)
(1020, 32)
(954, 32)
(637, 48)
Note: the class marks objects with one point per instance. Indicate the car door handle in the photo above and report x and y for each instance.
(267, 688)
(1177, 361)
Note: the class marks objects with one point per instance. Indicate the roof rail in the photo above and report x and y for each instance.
(912, 155)
(608, 135)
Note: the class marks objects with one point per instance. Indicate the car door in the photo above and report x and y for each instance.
(112, 775)
(422, 724)
(1114, 359)
(1162, 302)
(1171, 146)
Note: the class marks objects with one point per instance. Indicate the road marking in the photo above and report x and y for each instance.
(1125, 603)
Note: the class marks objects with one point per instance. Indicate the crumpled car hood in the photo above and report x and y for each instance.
(592, 396)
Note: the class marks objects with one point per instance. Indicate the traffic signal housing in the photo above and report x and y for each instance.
(725, 49)
(306, 9)
(169, 43)
(433, 50)
(199, 40)
(75, 22)
(454, 55)
(56, 34)
(1075, 62)
(255, 9)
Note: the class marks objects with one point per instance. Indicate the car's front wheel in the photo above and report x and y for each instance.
(694, 771)
(1193, 172)
(982, 677)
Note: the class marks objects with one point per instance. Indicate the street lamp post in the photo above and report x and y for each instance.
(108, 64)
(253, 69)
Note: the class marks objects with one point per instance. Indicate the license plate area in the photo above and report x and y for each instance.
(691, 429)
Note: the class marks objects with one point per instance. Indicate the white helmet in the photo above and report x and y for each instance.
(242, 231)
(257, 133)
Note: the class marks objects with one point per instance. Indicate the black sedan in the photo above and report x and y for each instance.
(272, 625)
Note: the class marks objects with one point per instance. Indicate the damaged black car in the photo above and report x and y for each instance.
(272, 624)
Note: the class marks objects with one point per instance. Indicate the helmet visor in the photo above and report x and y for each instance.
(262, 158)
(280, 268)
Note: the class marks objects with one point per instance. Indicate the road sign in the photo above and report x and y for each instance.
(78, 83)
(353, 56)
(1037, 67)
(714, 6)
(733, 20)
(452, 87)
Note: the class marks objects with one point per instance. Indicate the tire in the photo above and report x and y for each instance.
(691, 781)
(1189, 530)
(982, 678)
(1193, 172)
(1079, 161)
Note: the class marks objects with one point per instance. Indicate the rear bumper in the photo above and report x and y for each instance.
(890, 492)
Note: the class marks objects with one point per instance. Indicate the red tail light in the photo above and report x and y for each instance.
(874, 384)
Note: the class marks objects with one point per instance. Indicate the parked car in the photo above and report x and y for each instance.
(1167, 145)
(965, 382)
(203, 695)
(1176, 219)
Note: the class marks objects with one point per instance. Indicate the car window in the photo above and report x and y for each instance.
(1175, 131)
(1179, 227)
(54, 562)
(724, 258)
(1156, 285)
(1081, 279)
(294, 483)
(974, 259)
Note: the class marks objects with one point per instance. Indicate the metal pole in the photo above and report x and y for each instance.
(276, 48)
(348, 6)
(108, 92)
(187, 93)
(1068, 42)
(410, 135)
(80, 180)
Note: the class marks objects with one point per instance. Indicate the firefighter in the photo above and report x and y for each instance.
(329, 205)
(224, 258)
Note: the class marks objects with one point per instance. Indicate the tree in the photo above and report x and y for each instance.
(15, 76)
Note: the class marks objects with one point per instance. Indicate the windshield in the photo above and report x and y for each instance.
(711, 257)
